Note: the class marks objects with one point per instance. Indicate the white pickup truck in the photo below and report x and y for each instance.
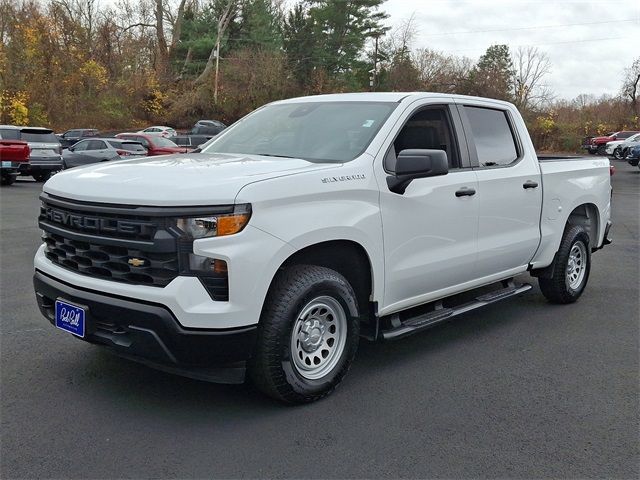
(309, 224)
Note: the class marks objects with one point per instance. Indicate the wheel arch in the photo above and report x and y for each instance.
(587, 216)
(351, 260)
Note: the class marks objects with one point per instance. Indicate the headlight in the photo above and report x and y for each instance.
(217, 225)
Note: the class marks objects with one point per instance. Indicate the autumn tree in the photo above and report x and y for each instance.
(439, 72)
(631, 85)
(531, 66)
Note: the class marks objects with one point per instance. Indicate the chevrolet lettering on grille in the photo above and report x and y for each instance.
(96, 224)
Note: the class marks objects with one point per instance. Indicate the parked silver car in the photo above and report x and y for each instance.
(96, 150)
(618, 149)
(44, 158)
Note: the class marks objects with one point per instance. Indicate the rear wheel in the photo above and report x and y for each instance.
(308, 335)
(571, 268)
(7, 179)
(42, 176)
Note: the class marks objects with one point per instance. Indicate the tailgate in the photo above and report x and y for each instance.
(14, 151)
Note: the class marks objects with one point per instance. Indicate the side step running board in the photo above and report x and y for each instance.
(440, 314)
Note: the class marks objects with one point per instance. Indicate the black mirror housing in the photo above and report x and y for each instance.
(417, 163)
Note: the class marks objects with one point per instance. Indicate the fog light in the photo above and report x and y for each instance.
(213, 274)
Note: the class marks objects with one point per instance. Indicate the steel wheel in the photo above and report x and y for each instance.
(318, 337)
(576, 265)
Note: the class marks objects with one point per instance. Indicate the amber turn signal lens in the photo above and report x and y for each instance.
(230, 224)
(219, 266)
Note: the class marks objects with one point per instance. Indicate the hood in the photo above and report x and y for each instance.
(173, 180)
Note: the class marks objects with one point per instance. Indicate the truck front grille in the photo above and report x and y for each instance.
(123, 243)
(111, 262)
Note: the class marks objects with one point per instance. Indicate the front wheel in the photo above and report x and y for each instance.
(571, 268)
(618, 154)
(308, 335)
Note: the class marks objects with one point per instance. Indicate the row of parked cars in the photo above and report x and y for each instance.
(622, 145)
(39, 152)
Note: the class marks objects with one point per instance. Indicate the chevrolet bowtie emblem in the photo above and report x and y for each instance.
(136, 262)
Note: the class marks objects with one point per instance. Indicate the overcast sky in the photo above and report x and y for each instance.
(589, 43)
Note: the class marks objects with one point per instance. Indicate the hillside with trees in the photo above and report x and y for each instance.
(83, 63)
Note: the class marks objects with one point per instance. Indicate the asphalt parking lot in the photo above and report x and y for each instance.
(519, 389)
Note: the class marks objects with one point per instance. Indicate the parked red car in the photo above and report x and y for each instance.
(598, 144)
(13, 153)
(155, 144)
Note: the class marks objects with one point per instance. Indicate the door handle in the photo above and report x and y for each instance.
(465, 192)
(530, 184)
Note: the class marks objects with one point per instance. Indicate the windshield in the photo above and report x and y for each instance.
(316, 131)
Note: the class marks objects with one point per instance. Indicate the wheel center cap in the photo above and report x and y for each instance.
(311, 335)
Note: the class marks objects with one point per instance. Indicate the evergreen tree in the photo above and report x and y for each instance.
(493, 75)
(299, 43)
(259, 26)
(341, 28)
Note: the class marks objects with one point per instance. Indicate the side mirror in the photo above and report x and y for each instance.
(412, 164)
(71, 149)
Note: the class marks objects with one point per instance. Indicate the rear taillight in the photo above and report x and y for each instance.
(123, 153)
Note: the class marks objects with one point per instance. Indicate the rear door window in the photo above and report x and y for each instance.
(493, 137)
(96, 145)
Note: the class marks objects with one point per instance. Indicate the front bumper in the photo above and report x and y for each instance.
(150, 333)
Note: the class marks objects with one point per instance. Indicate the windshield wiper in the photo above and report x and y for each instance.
(273, 155)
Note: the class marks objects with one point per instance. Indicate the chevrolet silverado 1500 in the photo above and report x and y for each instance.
(309, 224)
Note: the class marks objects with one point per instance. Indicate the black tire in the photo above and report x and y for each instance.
(602, 150)
(272, 368)
(558, 288)
(7, 180)
(617, 153)
(592, 152)
(41, 176)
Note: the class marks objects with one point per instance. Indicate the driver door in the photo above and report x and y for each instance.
(430, 232)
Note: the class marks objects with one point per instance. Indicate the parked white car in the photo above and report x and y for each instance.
(165, 132)
(308, 224)
(618, 148)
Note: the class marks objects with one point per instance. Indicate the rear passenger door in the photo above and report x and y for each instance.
(509, 189)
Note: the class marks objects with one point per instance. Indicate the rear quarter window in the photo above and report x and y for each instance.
(10, 134)
(492, 135)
